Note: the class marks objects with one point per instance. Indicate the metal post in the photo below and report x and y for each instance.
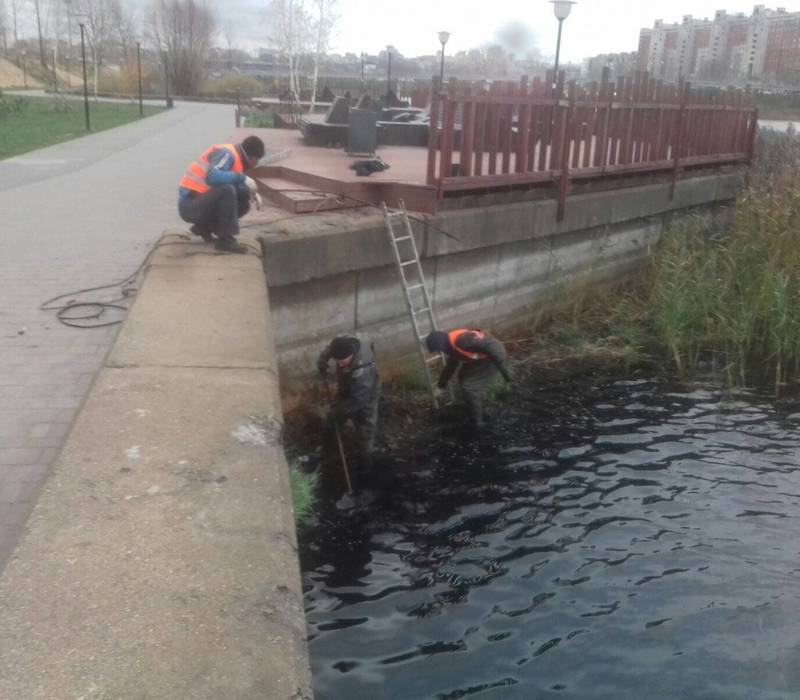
(166, 81)
(441, 72)
(558, 48)
(389, 74)
(139, 70)
(85, 83)
(24, 71)
(55, 75)
(362, 71)
(69, 40)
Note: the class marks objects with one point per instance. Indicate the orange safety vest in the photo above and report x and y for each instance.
(469, 355)
(195, 177)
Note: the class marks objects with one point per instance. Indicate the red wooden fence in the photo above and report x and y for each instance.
(519, 133)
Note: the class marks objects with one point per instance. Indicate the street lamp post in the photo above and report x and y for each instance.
(362, 72)
(55, 75)
(24, 69)
(85, 82)
(139, 71)
(166, 81)
(389, 50)
(444, 37)
(561, 9)
(68, 4)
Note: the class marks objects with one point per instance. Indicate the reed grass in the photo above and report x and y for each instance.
(733, 297)
(304, 493)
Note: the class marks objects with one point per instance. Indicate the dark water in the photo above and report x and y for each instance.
(655, 555)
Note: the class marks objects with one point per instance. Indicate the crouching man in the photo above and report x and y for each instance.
(477, 357)
(359, 391)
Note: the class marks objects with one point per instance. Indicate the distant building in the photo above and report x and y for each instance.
(618, 63)
(730, 47)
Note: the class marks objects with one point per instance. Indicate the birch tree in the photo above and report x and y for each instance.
(293, 36)
(324, 22)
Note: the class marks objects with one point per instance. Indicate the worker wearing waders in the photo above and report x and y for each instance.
(477, 357)
(359, 390)
(215, 192)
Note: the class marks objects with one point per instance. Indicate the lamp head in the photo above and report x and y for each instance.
(444, 37)
(562, 8)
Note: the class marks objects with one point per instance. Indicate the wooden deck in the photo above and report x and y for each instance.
(320, 179)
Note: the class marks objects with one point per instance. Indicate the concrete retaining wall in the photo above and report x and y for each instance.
(333, 273)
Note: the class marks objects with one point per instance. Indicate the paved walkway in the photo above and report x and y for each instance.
(75, 215)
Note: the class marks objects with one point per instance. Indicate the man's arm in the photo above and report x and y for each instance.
(220, 173)
(323, 360)
(362, 384)
(449, 368)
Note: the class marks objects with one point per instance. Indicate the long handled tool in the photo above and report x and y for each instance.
(341, 446)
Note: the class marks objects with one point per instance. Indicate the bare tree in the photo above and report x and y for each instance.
(185, 29)
(325, 18)
(97, 21)
(293, 36)
(14, 20)
(4, 27)
(125, 28)
(37, 8)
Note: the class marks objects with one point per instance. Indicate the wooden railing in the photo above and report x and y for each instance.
(519, 134)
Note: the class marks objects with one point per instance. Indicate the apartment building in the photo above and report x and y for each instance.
(763, 46)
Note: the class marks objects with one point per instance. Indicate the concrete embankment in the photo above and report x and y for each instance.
(333, 273)
(160, 561)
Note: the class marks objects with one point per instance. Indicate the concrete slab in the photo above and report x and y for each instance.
(181, 317)
(159, 562)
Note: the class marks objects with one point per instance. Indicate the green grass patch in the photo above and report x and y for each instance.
(28, 123)
(410, 378)
(304, 493)
(260, 120)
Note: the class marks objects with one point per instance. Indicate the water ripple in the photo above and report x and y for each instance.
(615, 539)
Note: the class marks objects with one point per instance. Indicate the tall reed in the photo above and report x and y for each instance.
(734, 296)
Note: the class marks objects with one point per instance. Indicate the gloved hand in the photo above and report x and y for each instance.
(250, 183)
(256, 197)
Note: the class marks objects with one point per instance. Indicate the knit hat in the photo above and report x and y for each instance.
(438, 341)
(342, 347)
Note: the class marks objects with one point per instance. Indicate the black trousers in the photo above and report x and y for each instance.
(474, 379)
(218, 211)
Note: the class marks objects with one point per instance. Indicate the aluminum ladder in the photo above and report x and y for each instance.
(415, 291)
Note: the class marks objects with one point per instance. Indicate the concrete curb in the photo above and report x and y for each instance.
(160, 560)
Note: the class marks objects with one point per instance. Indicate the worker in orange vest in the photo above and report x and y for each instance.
(477, 357)
(215, 191)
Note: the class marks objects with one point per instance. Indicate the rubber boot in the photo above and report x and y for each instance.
(231, 245)
(202, 231)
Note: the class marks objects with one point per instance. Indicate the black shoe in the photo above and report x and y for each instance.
(229, 245)
(202, 231)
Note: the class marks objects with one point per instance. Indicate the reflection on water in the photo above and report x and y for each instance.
(612, 540)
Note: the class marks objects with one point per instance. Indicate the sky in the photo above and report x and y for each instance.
(595, 26)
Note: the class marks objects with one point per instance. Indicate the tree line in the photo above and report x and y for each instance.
(185, 29)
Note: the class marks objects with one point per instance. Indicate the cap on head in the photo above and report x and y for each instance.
(438, 341)
(342, 347)
(253, 148)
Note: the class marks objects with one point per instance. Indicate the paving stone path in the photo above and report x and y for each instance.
(72, 216)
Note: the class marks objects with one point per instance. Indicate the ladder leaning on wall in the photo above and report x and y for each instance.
(415, 291)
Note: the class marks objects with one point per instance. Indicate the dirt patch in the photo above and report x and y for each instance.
(13, 77)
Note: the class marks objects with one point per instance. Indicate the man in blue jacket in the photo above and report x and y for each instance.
(215, 191)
